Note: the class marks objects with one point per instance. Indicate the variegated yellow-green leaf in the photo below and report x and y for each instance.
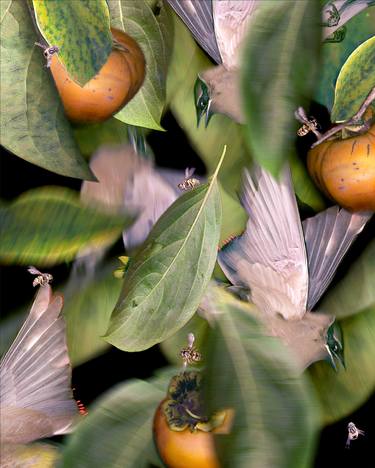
(49, 225)
(33, 125)
(355, 81)
(342, 393)
(168, 276)
(154, 34)
(81, 30)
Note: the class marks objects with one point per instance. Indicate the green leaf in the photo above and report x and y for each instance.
(334, 54)
(88, 303)
(342, 393)
(154, 35)
(275, 417)
(49, 225)
(81, 30)
(356, 291)
(278, 74)
(167, 278)
(33, 125)
(355, 81)
(118, 429)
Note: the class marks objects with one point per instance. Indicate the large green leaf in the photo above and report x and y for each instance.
(275, 418)
(278, 74)
(356, 291)
(88, 303)
(33, 125)
(118, 429)
(49, 225)
(154, 35)
(81, 30)
(342, 393)
(168, 276)
(334, 54)
(355, 81)
(187, 61)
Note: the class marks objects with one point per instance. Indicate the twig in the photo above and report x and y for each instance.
(353, 121)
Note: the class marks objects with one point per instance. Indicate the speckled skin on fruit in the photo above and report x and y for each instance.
(184, 449)
(345, 170)
(114, 86)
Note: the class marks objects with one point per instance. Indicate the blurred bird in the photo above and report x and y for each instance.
(220, 27)
(285, 266)
(36, 399)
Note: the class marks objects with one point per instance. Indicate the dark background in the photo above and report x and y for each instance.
(93, 378)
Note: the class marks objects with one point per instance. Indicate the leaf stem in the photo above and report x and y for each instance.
(353, 121)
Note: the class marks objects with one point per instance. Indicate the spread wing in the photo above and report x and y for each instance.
(231, 19)
(328, 236)
(197, 15)
(35, 390)
(269, 258)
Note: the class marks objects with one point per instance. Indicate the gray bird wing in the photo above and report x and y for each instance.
(231, 20)
(269, 258)
(197, 15)
(35, 376)
(328, 236)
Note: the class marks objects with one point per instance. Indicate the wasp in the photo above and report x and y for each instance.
(353, 433)
(189, 182)
(48, 52)
(42, 279)
(190, 354)
(310, 124)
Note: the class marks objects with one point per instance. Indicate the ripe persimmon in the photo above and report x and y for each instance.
(106, 93)
(344, 169)
(183, 436)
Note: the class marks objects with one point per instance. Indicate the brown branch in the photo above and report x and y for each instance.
(353, 121)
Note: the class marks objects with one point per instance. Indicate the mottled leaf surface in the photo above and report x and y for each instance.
(33, 125)
(81, 30)
(334, 54)
(275, 417)
(154, 34)
(355, 81)
(168, 276)
(118, 429)
(278, 74)
(341, 393)
(49, 225)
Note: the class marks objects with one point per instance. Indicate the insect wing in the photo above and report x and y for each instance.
(34, 271)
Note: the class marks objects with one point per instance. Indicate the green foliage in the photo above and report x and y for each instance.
(342, 393)
(278, 74)
(80, 30)
(356, 291)
(33, 125)
(355, 81)
(167, 277)
(275, 420)
(118, 428)
(88, 303)
(154, 35)
(48, 225)
(334, 54)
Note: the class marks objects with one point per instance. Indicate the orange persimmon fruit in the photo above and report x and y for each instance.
(344, 169)
(106, 93)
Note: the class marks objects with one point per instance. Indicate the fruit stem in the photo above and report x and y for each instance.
(353, 121)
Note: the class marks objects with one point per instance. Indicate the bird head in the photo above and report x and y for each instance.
(202, 101)
(335, 345)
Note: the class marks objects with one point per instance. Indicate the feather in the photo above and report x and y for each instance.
(269, 258)
(328, 236)
(197, 15)
(36, 399)
(231, 20)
